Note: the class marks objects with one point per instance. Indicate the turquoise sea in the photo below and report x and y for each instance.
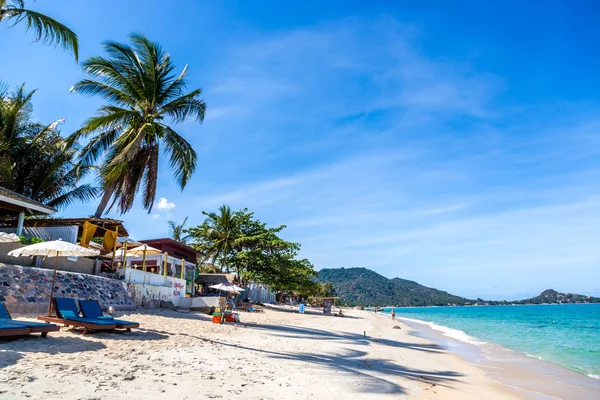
(568, 334)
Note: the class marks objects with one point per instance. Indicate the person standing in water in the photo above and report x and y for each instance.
(393, 314)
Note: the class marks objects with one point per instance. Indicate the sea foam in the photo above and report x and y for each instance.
(446, 331)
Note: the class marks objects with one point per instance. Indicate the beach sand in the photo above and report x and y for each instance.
(278, 354)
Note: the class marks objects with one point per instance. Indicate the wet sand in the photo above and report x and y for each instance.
(527, 376)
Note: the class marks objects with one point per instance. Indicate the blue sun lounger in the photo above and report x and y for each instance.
(67, 313)
(91, 310)
(35, 327)
(8, 329)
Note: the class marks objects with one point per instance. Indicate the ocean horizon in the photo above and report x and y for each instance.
(563, 334)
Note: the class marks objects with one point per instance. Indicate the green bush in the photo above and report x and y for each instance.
(33, 240)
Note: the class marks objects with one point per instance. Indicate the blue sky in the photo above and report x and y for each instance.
(455, 144)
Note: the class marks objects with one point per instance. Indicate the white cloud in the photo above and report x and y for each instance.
(376, 154)
(164, 204)
(155, 216)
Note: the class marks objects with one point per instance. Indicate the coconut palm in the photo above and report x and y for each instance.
(34, 159)
(144, 97)
(45, 28)
(178, 231)
(218, 235)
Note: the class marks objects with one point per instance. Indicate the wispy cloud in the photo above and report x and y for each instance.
(377, 154)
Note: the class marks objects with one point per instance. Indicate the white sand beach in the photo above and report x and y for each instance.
(273, 355)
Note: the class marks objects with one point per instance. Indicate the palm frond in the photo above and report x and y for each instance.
(82, 193)
(182, 156)
(186, 106)
(46, 29)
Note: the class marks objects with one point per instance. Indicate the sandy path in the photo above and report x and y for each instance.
(273, 355)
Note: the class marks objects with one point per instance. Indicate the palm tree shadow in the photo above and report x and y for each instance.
(288, 331)
(377, 374)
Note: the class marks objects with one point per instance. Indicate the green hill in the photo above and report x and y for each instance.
(551, 296)
(361, 286)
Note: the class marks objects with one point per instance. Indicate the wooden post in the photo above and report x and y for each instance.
(182, 268)
(165, 259)
(115, 247)
(125, 255)
(20, 224)
(144, 260)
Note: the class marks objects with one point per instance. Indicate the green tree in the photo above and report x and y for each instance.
(178, 231)
(217, 236)
(327, 289)
(239, 242)
(45, 28)
(144, 98)
(35, 160)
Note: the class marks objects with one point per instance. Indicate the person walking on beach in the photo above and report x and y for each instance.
(393, 314)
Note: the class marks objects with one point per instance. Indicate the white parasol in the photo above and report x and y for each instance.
(8, 237)
(143, 250)
(55, 248)
(237, 288)
(224, 287)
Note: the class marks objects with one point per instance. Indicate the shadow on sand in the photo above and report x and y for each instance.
(135, 334)
(376, 375)
(287, 331)
(13, 351)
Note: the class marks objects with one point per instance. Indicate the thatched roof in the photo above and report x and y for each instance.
(214, 279)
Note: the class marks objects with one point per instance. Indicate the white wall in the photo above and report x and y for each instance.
(146, 287)
(207, 301)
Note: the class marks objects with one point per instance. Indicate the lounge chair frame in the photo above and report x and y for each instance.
(14, 332)
(87, 326)
(43, 330)
(120, 325)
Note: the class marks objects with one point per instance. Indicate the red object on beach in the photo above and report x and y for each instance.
(229, 318)
(216, 319)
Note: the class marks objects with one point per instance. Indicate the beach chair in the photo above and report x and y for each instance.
(8, 329)
(67, 313)
(91, 310)
(35, 327)
(252, 308)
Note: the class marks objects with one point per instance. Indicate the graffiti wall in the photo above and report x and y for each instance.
(153, 290)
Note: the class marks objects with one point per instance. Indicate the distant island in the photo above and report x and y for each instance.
(363, 287)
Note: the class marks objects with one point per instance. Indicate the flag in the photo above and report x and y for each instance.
(87, 234)
(110, 240)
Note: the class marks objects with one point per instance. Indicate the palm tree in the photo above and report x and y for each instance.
(143, 97)
(177, 231)
(34, 159)
(217, 236)
(46, 29)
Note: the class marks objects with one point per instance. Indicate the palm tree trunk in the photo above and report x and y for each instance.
(108, 192)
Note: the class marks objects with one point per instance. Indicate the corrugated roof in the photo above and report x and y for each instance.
(172, 242)
(19, 202)
(105, 223)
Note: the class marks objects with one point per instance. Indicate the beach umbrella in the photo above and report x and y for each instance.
(54, 248)
(119, 253)
(8, 237)
(237, 288)
(143, 250)
(224, 288)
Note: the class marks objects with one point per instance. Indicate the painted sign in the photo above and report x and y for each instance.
(327, 307)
